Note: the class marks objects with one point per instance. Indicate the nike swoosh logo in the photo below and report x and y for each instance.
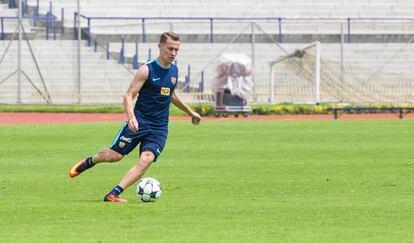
(156, 79)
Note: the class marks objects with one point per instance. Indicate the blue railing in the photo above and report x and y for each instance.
(50, 19)
(142, 21)
(278, 22)
(25, 6)
(50, 24)
(12, 4)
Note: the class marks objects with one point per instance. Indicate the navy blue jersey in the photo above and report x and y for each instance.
(154, 98)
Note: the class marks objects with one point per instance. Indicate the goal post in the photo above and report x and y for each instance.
(318, 72)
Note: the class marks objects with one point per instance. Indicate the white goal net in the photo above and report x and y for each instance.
(306, 76)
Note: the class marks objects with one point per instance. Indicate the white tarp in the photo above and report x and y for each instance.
(233, 72)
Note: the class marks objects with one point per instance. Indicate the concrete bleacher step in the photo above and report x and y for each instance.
(238, 8)
(104, 80)
(3, 6)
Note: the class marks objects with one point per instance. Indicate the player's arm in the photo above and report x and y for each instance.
(132, 92)
(177, 101)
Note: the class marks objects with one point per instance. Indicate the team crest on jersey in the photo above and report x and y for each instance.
(165, 91)
(121, 144)
(173, 80)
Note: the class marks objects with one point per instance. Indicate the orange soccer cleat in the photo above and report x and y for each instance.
(75, 170)
(114, 198)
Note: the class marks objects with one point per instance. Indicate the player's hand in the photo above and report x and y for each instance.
(195, 118)
(133, 125)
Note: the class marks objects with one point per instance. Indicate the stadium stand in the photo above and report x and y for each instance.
(233, 8)
(377, 39)
(105, 81)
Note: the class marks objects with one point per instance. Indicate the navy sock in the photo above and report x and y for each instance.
(88, 163)
(85, 165)
(117, 190)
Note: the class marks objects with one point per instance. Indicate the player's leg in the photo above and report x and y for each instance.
(133, 175)
(151, 147)
(105, 155)
(124, 142)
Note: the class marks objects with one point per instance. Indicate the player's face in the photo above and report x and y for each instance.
(169, 50)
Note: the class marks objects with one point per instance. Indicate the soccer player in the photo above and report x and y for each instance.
(147, 121)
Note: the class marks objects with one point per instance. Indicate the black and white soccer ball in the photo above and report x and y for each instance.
(149, 189)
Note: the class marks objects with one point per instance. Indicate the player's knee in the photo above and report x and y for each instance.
(147, 157)
(115, 157)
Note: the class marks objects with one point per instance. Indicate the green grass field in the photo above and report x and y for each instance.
(224, 181)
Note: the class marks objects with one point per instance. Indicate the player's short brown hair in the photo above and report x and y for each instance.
(164, 36)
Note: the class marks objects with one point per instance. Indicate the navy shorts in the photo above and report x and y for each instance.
(150, 139)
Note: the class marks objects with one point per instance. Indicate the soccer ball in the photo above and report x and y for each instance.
(149, 189)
